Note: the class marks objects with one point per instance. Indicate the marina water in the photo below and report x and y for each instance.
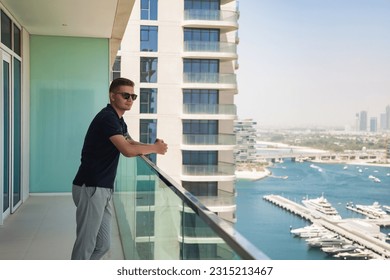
(268, 226)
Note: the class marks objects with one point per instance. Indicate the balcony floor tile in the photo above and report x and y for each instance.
(44, 228)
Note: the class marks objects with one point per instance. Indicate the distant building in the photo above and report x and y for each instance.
(363, 121)
(387, 117)
(246, 134)
(383, 122)
(388, 150)
(373, 124)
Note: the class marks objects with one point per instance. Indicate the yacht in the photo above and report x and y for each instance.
(334, 250)
(375, 179)
(309, 231)
(327, 241)
(374, 210)
(387, 208)
(357, 254)
(321, 207)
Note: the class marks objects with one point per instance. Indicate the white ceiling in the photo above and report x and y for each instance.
(80, 18)
(86, 18)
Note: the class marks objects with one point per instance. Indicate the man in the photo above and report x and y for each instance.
(93, 185)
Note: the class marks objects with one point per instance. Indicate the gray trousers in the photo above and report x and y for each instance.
(93, 218)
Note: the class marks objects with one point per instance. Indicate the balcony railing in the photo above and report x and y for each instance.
(198, 46)
(207, 139)
(218, 109)
(211, 15)
(172, 224)
(222, 169)
(213, 78)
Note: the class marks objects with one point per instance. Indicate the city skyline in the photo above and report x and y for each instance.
(313, 63)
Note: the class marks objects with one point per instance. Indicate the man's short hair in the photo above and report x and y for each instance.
(120, 82)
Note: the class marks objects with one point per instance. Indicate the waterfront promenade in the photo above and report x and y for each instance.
(344, 227)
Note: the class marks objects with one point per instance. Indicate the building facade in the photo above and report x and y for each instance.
(184, 68)
(183, 64)
(246, 133)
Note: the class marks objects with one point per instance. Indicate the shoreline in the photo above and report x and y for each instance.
(251, 174)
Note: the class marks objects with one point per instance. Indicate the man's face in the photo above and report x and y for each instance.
(118, 98)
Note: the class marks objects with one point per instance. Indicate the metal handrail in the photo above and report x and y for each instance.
(234, 239)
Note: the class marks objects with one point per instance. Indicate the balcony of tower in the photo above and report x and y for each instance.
(225, 20)
(209, 111)
(222, 81)
(224, 51)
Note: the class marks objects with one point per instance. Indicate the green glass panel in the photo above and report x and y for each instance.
(156, 224)
(69, 85)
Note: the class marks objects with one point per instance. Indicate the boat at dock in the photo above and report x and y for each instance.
(357, 254)
(334, 250)
(320, 206)
(373, 211)
(387, 208)
(309, 231)
(327, 241)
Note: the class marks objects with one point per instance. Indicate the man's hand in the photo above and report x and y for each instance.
(161, 147)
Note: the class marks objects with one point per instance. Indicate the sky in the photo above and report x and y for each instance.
(313, 62)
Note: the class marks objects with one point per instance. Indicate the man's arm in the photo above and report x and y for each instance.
(131, 148)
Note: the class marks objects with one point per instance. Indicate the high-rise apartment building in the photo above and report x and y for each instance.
(387, 117)
(382, 122)
(246, 133)
(182, 56)
(373, 124)
(363, 121)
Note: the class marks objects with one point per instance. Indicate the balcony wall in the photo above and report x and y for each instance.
(220, 109)
(212, 78)
(207, 139)
(223, 19)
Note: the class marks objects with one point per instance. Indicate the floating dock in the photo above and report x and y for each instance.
(344, 227)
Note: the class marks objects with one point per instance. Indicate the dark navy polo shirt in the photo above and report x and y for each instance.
(99, 156)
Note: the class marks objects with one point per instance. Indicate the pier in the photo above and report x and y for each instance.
(296, 155)
(343, 227)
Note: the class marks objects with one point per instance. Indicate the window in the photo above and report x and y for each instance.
(202, 4)
(148, 37)
(209, 127)
(201, 188)
(200, 157)
(199, 251)
(148, 70)
(145, 223)
(148, 134)
(200, 96)
(17, 41)
(148, 131)
(6, 30)
(116, 68)
(148, 100)
(149, 9)
(201, 65)
(202, 35)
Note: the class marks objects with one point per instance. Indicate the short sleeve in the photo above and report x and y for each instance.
(111, 125)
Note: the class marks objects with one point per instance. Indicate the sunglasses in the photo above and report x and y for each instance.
(127, 95)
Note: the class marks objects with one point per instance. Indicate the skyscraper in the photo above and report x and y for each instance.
(383, 122)
(373, 124)
(388, 117)
(182, 55)
(363, 121)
